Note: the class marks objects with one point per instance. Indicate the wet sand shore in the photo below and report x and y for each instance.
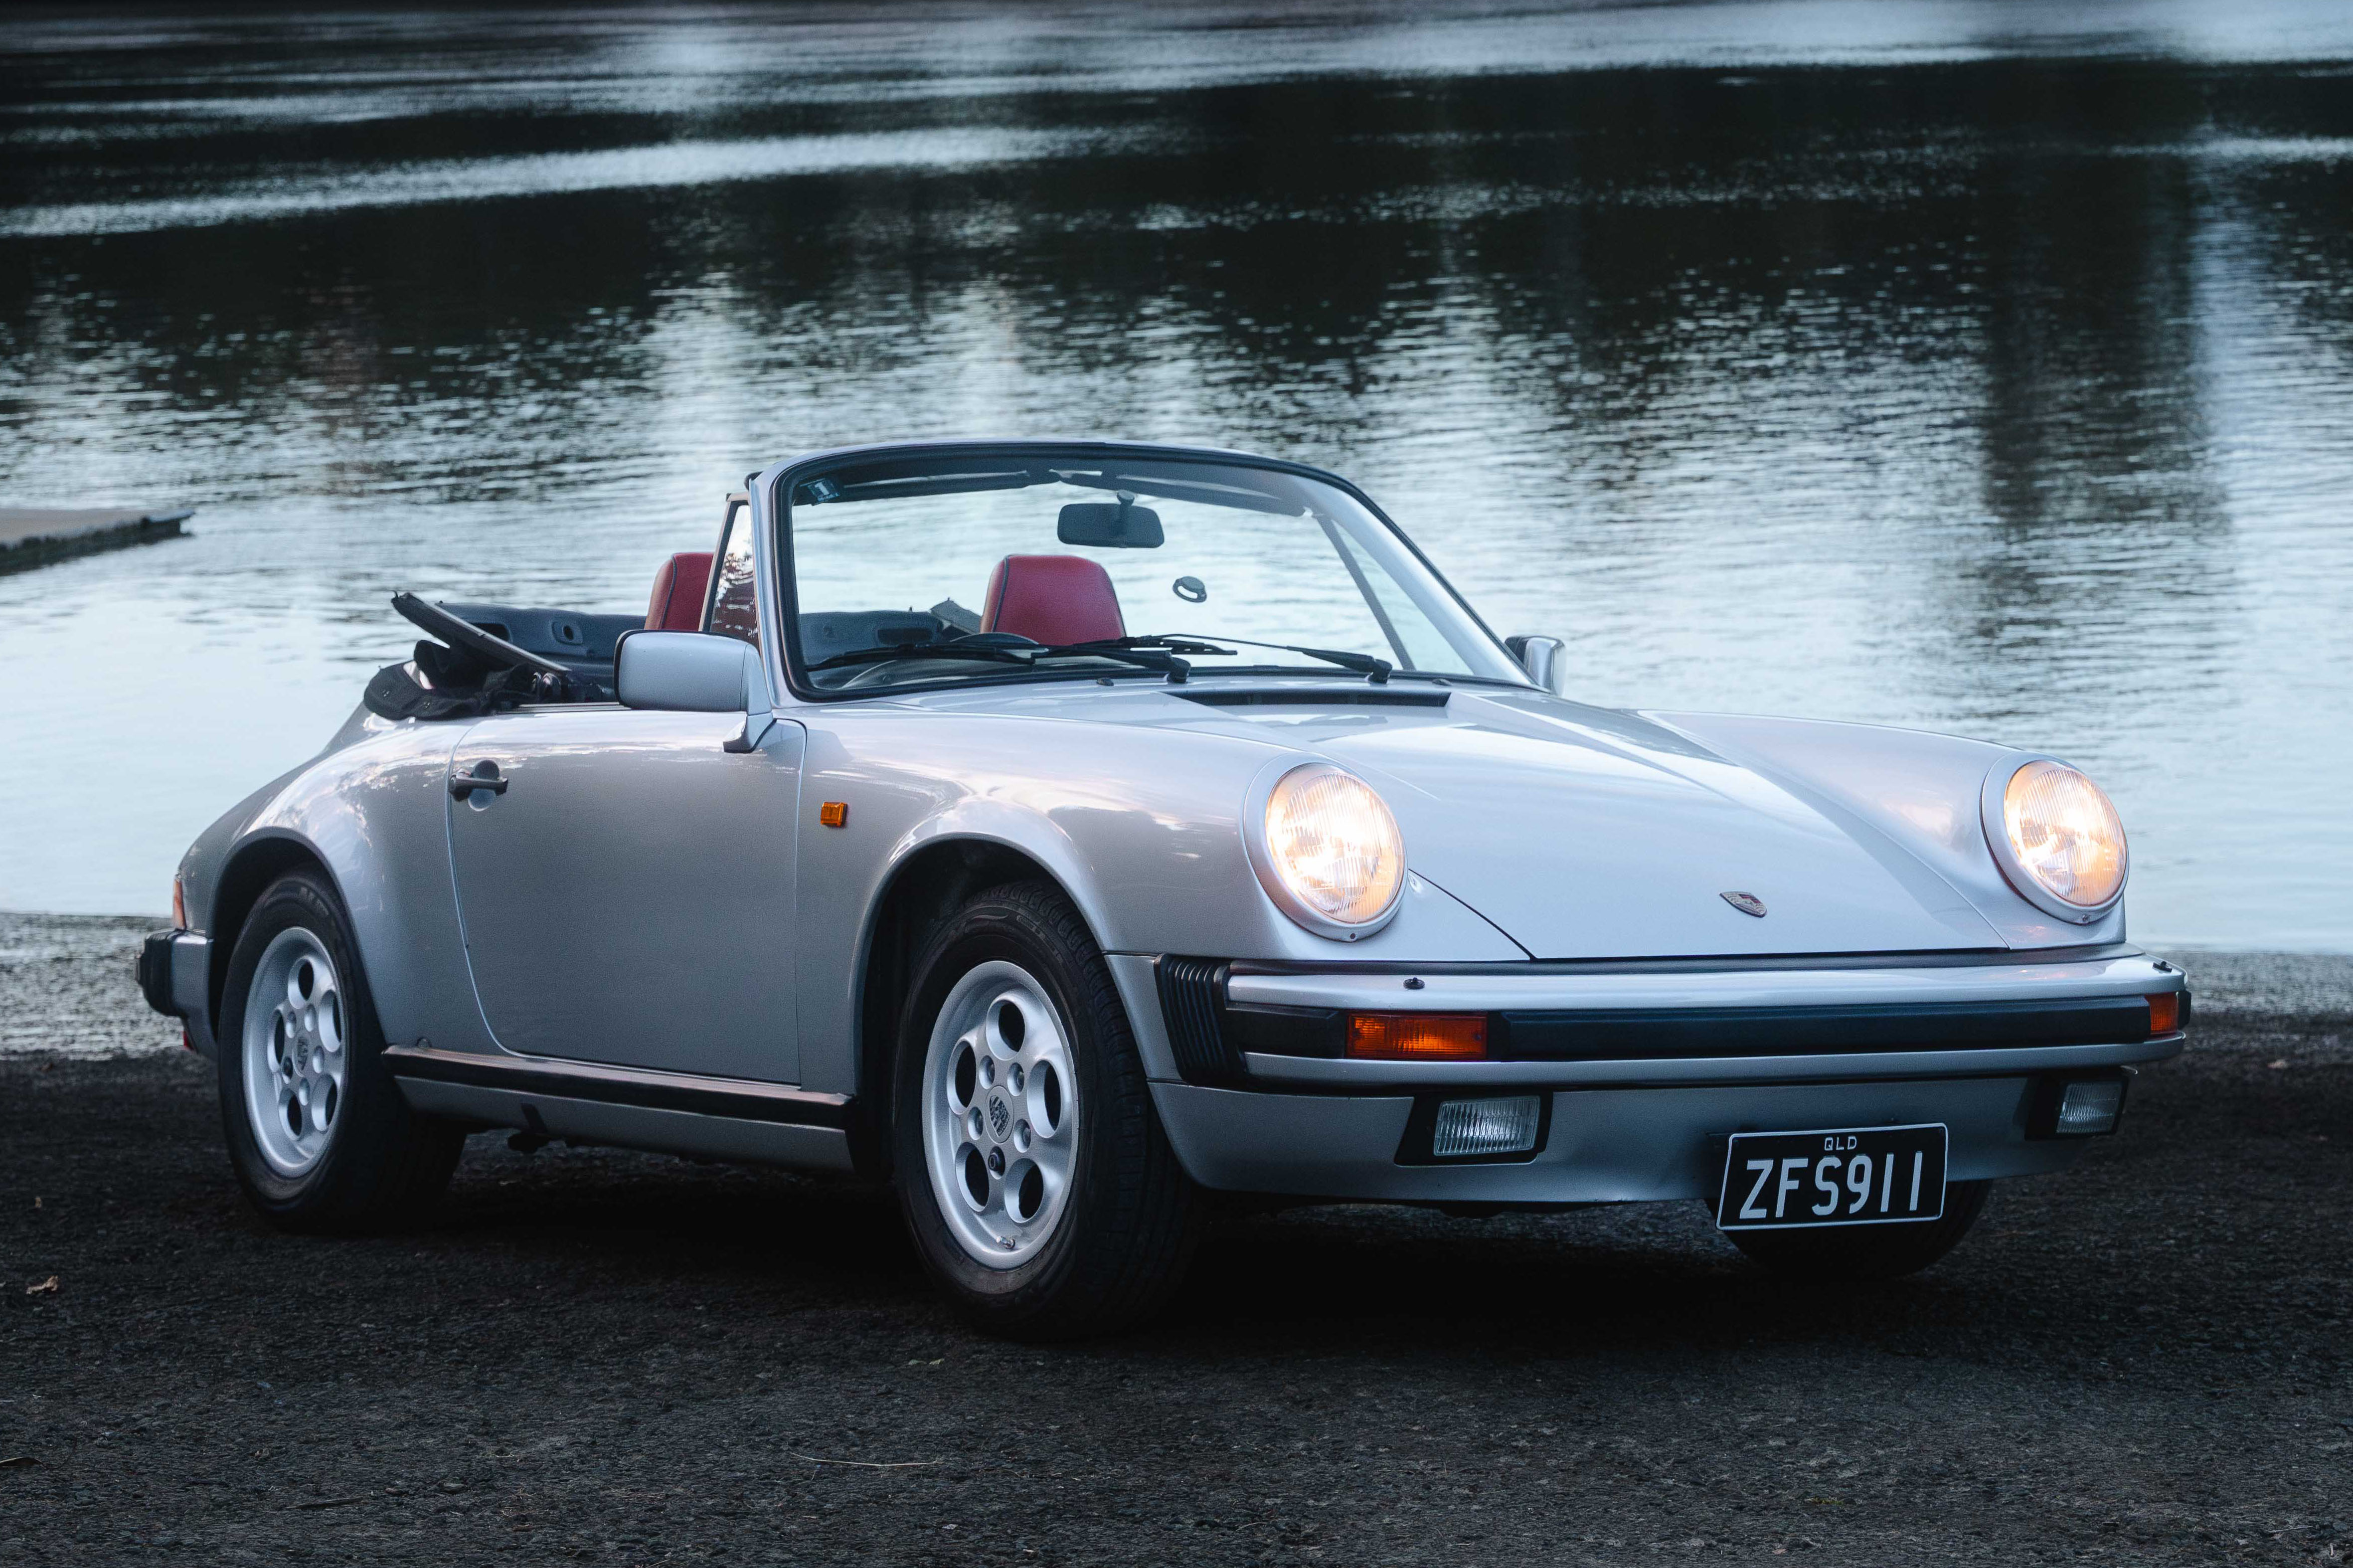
(617, 1358)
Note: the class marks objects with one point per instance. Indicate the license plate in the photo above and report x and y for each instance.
(1841, 1176)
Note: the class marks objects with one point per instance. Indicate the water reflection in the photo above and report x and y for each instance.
(1982, 367)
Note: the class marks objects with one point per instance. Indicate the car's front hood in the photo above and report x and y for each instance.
(1585, 832)
(1588, 833)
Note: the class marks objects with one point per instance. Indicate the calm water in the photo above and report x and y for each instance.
(1982, 367)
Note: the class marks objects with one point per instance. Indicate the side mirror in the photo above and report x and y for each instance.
(1542, 658)
(694, 672)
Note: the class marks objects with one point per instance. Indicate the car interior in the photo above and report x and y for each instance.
(1041, 598)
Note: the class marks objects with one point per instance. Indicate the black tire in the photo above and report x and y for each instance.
(1860, 1253)
(382, 1166)
(1132, 1218)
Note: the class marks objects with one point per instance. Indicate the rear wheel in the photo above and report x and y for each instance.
(1036, 1179)
(1867, 1252)
(319, 1134)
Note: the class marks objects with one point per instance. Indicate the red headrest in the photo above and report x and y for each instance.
(679, 587)
(1052, 598)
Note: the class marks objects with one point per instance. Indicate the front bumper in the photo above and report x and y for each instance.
(1654, 1067)
(1603, 1146)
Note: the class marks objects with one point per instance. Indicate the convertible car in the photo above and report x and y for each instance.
(1072, 834)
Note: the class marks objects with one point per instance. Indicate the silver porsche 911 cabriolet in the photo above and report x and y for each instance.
(1067, 833)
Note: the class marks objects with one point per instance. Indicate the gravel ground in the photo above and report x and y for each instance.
(617, 1358)
(67, 986)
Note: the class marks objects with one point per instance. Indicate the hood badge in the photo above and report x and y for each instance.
(1747, 902)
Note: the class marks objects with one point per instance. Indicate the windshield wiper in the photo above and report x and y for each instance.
(1376, 671)
(1154, 643)
(922, 651)
(1154, 653)
(1025, 654)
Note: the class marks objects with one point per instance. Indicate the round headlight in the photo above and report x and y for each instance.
(1332, 854)
(2065, 835)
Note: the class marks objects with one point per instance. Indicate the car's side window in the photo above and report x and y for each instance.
(734, 608)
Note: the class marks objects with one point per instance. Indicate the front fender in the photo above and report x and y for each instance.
(1141, 827)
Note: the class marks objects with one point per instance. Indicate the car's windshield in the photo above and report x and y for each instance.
(956, 566)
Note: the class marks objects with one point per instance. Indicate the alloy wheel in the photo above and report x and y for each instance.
(297, 1066)
(1000, 1114)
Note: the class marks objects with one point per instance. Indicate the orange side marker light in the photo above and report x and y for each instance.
(2165, 1012)
(834, 813)
(1417, 1036)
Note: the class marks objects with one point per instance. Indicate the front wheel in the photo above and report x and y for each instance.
(1036, 1179)
(318, 1133)
(1843, 1253)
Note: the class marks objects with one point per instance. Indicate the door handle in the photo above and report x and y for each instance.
(484, 777)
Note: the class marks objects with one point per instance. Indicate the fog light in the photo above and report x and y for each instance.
(2077, 1104)
(1506, 1125)
(2088, 1108)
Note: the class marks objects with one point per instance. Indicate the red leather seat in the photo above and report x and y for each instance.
(679, 589)
(1052, 598)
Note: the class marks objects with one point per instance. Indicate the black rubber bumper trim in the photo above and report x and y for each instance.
(623, 1086)
(1931, 958)
(1613, 1035)
(1209, 1035)
(1670, 1035)
(156, 973)
(1192, 1005)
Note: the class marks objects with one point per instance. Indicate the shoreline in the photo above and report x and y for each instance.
(67, 988)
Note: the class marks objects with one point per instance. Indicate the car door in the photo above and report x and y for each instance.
(627, 896)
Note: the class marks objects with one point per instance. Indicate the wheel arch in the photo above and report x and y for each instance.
(919, 894)
(247, 872)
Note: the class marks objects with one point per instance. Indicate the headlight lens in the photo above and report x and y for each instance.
(2066, 835)
(1334, 844)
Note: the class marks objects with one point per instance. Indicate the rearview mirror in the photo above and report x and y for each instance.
(1107, 524)
(1541, 657)
(690, 673)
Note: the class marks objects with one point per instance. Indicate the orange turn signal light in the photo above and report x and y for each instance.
(2165, 1012)
(1417, 1036)
(834, 813)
